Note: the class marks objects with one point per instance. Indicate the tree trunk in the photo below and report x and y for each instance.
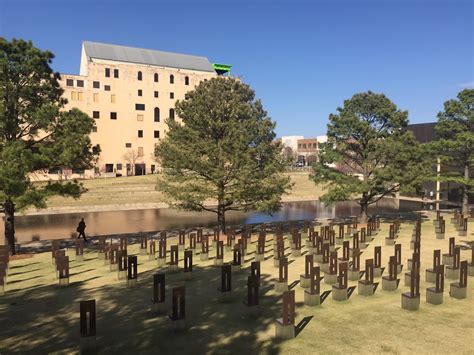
(363, 217)
(9, 210)
(221, 217)
(465, 193)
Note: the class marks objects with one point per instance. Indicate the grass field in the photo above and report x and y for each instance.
(139, 191)
(39, 317)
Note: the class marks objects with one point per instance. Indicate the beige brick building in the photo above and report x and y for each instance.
(130, 92)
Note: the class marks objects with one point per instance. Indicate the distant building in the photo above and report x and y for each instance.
(304, 150)
(130, 92)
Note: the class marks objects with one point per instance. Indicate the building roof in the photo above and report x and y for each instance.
(146, 56)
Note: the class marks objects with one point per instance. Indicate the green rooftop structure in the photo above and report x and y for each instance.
(222, 69)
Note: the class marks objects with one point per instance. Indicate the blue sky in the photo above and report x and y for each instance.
(303, 58)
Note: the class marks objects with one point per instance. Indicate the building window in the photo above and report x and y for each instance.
(186, 80)
(157, 114)
(73, 95)
(109, 168)
(299, 146)
(156, 93)
(139, 117)
(119, 166)
(140, 93)
(79, 96)
(96, 85)
(95, 97)
(315, 145)
(156, 134)
(140, 133)
(171, 95)
(107, 87)
(80, 83)
(107, 72)
(140, 151)
(156, 77)
(140, 107)
(139, 75)
(113, 115)
(95, 114)
(112, 98)
(152, 168)
(69, 82)
(116, 73)
(304, 146)
(94, 129)
(171, 114)
(171, 79)
(128, 145)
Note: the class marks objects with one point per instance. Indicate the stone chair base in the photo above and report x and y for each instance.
(132, 283)
(284, 332)
(448, 259)
(159, 307)
(324, 267)
(79, 258)
(305, 282)
(407, 279)
(174, 267)
(433, 296)
(143, 251)
(451, 273)
(235, 268)
(330, 279)
(430, 276)
(113, 267)
(64, 281)
(377, 271)
(2, 290)
(318, 258)
(339, 294)
(276, 262)
(100, 256)
(353, 275)
(161, 262)
(399, 268)
(312, 299)
(365, 289)
(470, 270)
(181, 247)
(390, 241)
(218, 262)
(204, 257)
(87, 344)
(462, 233)
(296, 252)
(389, 285)
(410, 303)
(259, 257)
(281, 286)
(456, 291)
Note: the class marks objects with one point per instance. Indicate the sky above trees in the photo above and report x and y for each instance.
(303, 58)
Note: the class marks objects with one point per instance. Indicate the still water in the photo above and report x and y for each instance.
(59, 226)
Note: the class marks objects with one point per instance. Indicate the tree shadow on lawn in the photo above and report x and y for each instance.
(46, 319)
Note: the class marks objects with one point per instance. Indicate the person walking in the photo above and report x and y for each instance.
(81, 228)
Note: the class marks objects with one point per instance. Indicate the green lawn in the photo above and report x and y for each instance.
(139, 191)
(39, 317)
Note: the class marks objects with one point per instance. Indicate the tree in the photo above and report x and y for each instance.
(455, 143)
(35, 133)
(369, 153)
(131, 156)
(222, 152)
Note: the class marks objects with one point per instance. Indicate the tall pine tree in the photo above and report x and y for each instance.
(35, 132)
(455, 144)
(369, 153)
(223, 152)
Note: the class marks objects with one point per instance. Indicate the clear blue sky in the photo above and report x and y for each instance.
(303, 58)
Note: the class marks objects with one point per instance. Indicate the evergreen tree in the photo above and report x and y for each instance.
(35, 133)
(223, 152)
(369, 153)
(455, 143)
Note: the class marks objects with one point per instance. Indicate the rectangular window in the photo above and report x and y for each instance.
(113, 115)
(140, 93)
(96, 85)
(73, 95)
(140, 107)
(139, 117)
(94, 129)
(116, 73)
(109, 168)
(156, 93)
(107, 87)
(119, 166)
(107, 72)
(140, 151)
(156, 134)
(80, 83)
(171, 95)
(95, 97)
(112, 98)
(95, 114)
(79, 96)
(140, 133)
(128, 145)
(299, 146)
(304, 146)
(69, 82)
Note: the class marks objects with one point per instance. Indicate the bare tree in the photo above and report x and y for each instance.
(131, 156)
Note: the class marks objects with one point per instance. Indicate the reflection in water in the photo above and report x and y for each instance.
(58, 226)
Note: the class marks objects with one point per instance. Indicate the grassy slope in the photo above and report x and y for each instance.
(36, 315)
(141, 190)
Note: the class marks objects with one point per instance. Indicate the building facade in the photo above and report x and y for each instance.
(130, 92)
